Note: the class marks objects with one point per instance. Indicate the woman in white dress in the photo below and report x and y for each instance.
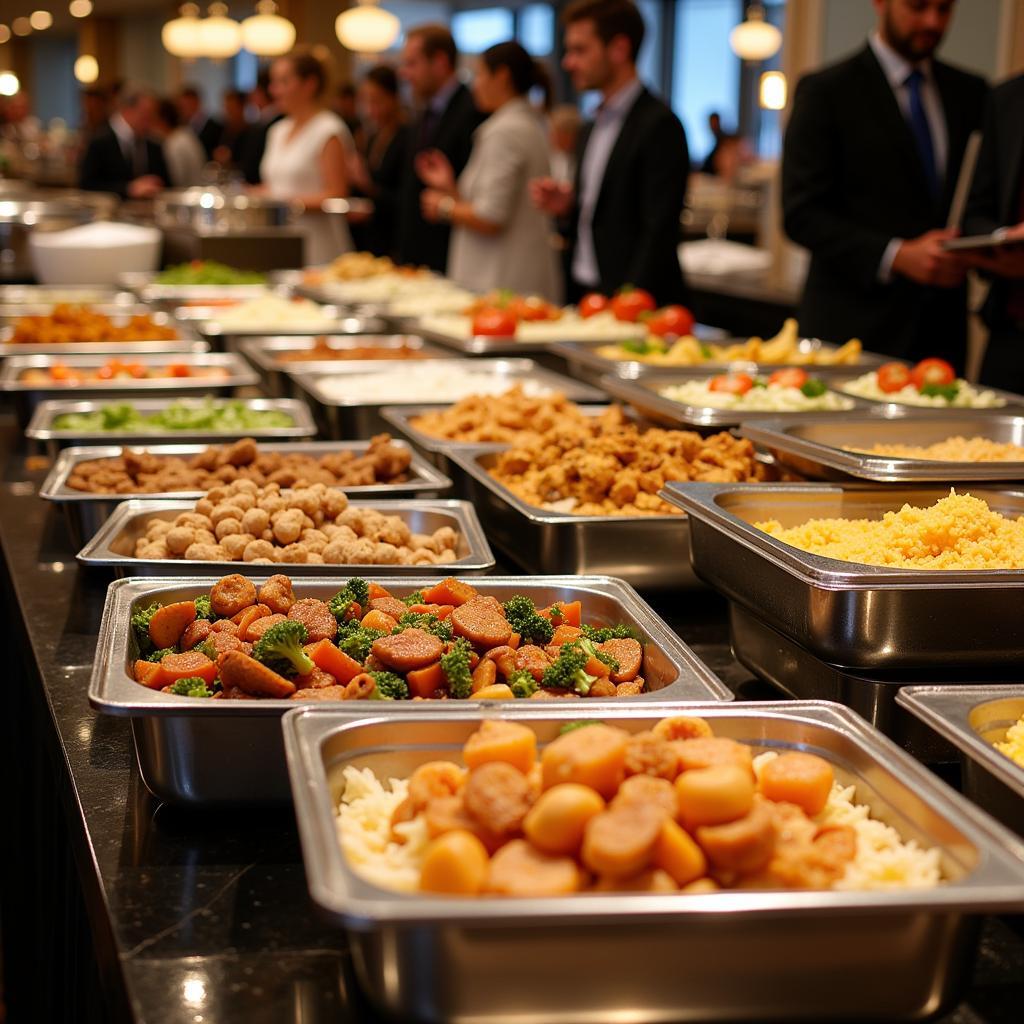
(306, 155)
(499, 239)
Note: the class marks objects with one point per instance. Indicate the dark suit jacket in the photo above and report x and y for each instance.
(379, 235)
(852, 180)
(636, 219)
(105, 169)
(419, 242)
(996, 191)
(210, 135)
(251, 146)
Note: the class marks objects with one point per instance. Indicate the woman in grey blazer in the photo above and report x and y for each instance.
(499, 239)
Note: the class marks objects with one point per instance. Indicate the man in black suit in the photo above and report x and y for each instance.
(254, 141)
(871, 160)
(996, 206)
(121, 157)
(623, 213)
(446, 123)
(208, 129)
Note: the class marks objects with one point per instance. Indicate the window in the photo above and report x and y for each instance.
(537, 29)
(475, 31)
(649, 60)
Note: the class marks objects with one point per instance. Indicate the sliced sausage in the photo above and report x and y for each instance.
(318, 619)
(742, 846)
(620, 841)
(238, 669)
(318, 679)
(594, 756)
(628, 653)
(650, 754)
(360, 687)
(255, 630)
(224, 626)
(532, 659)
(195, 634)
(412, 648)
(708, 751)
(232, 594)
(481, 620)
(649, 791)
(320, 693)
(277, 594)
(389, 606)
(504, 658)
(223, 642)
(518, 869)
(498, 796)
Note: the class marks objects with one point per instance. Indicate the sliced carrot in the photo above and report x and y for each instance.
(514, 641)
(423, 682)
(376, 590)
(150, 674)
(167, 625)
(337, 663)
(379, 620)
(569, 613)
(442, 611)
(449, 591)
(499, 691)
(485, 674)
(596, 667)
(246, 615)
(565, 634)
(183, 666)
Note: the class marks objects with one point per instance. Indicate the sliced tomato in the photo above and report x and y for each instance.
(789, 377)
(893, 377)
(494, 323)
(732, 383)
(630, 302)
(178, 370)
(932, 371)
(592, 304)
(671, 322)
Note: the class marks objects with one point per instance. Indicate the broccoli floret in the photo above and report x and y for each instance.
(441, 628)
(140, 626)
(567, 670)
(416, 597)
(606, 659)
(209, 648)
(573, 726)
(193, 686)
(523, 617)
(156, 656)
(599, 634)
(522, 683)
(203, 609)
(390, 686)
(280, 648)
(356, 640)
(356, 591)
(455, 666)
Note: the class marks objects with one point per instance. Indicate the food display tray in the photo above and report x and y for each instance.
(650, 552)
(355, 416)
(1014, 402)
(41, 431)
(27, 397)
(817, 446)
(848, 614)
(338, 322)
(48, 296)
(87, 512)
(483, 345)
(262, 352)
(971, 718)
(203, 752)
(112, 546)
(148, 289)
(801, 955)
(643, 395)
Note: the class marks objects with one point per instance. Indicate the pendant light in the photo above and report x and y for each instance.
(266, 33)
(180, 36)
(220, 37)
(755, 39)
(366, 28)
(87, 69)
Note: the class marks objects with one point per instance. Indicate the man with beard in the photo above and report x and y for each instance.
(870, 164)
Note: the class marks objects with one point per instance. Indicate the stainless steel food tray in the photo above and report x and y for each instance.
(1013, 401)
(41, 430)
(146, 287)
(817, 446)
(87, 512)
(729, 955)
(28, 396)
(971, 719)
(354, 416)
(848, 614)
(484, 345)
(643, 395)
(650, 552)
(262, 352)
(203, 752)
(50, 295)
(335, 321)
(112, 546)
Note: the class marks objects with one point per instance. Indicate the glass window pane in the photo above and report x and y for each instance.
(649, 61)
(475, 31)
(537, 29)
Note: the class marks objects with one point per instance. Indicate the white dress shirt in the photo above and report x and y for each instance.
(125, 136)
(896, 69)
(608, 122)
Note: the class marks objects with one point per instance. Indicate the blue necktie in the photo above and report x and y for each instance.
(922, 131)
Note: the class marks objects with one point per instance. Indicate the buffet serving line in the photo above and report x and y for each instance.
(703, 643)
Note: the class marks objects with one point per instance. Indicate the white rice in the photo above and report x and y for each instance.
(771, 398)
(569, 327)
(967, 396)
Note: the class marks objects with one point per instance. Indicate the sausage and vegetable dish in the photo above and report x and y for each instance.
(446, 641)
(673, 809)
(68, 324)
(117, 370)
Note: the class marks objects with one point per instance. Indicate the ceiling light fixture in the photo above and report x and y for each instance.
(755, 39)
(266, 33)
(220, 37)
(367, 28)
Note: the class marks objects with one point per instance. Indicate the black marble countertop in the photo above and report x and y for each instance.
(204, 917)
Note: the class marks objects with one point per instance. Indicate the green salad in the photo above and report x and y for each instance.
(217, 417)
(208, 272)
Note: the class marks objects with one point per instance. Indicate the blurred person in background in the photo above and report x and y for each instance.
(95, 110)
(624, 209)
(718, 133)
(499, 238)
(564, 124)
(233, 136)
(307, 154)
(996, 206)
(377, 172)
(20, 124)
(182, 150)
(123, 157)
(207, 128)
(446, 120)
(346, 105)
(870, 163)
(255, 139)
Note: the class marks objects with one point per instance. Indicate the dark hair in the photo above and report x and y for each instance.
(611, 18)
(190, 91)
(168, 113)
(305, 65)
(263, 80)
(384, 77)
(346, 89)
(524, 72)
(235, 94)
(434, 39)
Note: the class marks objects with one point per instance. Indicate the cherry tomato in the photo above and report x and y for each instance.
(532, 308)
(629, 303)
(932, 371)
(671, 322)
(138, 371)
(178, 370)
(592, 304)
(732, 383)
(105, 372)
(790, 377)
(60, 371)
(494, 323)
(893, 377)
